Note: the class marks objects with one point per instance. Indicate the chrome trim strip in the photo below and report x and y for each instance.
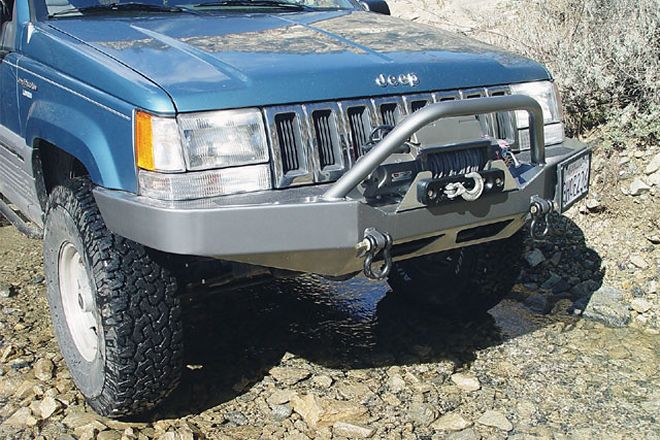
(73, 92)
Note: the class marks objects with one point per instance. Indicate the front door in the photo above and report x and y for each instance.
(16, 177)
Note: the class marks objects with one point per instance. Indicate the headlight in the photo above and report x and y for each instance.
(223, 138)
(224, 152)
(546, 94)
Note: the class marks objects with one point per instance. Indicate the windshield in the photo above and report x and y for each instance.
(67, 8)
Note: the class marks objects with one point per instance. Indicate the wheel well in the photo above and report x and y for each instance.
(52, 167)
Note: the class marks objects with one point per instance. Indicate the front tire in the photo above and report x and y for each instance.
(464, 281)
(114, 308)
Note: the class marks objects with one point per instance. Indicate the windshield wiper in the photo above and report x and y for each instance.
(256, 3)
(130, 6)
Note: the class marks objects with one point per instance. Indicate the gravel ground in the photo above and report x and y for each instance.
(308, 358)
(571, 354)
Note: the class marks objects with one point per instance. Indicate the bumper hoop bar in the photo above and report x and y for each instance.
(426, 115)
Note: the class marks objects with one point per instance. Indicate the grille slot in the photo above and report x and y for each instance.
(325, 132)
(360, 128)
(388, 113)
(417, 105)
(289, 140)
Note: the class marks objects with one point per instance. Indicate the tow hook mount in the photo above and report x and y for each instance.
(540, 210)
(373, 245)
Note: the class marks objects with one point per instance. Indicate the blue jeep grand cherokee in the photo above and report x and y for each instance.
(143, 139)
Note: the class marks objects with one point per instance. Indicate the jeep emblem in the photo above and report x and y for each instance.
(405, 79)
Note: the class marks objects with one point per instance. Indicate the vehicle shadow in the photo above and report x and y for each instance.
(235, 337)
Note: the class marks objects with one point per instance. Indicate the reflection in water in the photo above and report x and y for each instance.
(234, 337)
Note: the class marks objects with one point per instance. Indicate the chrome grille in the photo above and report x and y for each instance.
(318, 142)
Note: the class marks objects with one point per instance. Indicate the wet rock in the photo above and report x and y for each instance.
(653, 165)
(466, 381)
(562, 286)
(467, 434)
(640, 305)
(289, 375)
(638, 187)
(583, 289)
(538, 303)
(535, 257)
(7, 290)
(556, 258)
(551, 282)
(495, 419)
(43, 369)
(318, 412)
(281, 412)
(350, 430)
(21, 418)
(422, 414)
(452, 421)
(606, 306)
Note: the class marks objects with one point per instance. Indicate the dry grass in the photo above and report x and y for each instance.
(605, 55)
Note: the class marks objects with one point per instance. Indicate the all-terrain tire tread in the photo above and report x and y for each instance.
(140, 311)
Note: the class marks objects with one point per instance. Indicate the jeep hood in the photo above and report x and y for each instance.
(238, 60)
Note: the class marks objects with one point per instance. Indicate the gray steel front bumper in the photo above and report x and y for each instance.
(299, 229)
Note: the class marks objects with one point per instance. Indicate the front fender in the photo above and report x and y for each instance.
(100, 142)
(51, 122)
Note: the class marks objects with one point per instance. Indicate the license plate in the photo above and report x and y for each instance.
(573, 179)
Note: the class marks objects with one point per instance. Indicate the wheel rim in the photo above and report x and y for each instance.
(78, 302)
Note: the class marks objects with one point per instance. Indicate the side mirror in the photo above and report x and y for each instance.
(378, 6)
